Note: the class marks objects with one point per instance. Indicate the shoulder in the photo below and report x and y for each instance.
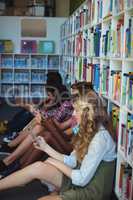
(103, 137)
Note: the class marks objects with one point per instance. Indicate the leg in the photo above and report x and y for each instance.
(31, 156)
(23, 147)
(38, 170)
(19, 139)
(23, 134)
(58, 136)
(49, 197)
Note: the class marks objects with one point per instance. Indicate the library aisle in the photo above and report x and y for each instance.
(94, 44)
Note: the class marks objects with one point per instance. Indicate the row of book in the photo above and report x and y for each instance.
(81, 18)
(125, 182)
(23, 77)
(86, 43)
(22, 90)
(24, 62)
(127, 137)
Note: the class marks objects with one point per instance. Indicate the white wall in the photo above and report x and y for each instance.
(10, 28)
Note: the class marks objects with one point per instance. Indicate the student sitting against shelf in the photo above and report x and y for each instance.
(61, 113)
(53, 135)
(87, 173)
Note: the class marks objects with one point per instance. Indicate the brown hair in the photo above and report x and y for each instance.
(93, 115)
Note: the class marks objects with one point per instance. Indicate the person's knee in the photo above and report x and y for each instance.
(38, 128)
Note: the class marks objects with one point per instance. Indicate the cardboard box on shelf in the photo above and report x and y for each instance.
(20, 11)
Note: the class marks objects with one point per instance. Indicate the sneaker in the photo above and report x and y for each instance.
(5, 149)
(10, 136)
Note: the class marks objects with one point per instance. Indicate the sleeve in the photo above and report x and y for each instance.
(91, 161)
(71, 160)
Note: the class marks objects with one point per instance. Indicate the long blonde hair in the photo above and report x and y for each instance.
(93, 115)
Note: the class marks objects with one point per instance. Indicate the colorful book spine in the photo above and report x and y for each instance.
(96, 76)
(105, 80)
(106, 40)
(127, 90)
(97, 37)
(116, 85)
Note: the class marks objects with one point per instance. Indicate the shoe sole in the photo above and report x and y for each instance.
(4, 153)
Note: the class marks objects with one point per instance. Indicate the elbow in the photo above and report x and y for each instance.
(82, 182)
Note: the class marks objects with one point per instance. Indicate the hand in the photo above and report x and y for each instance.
(40, 143)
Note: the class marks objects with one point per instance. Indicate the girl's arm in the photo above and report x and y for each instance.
(41, 144)
(64, 125)
(70, 160)
(61, 166)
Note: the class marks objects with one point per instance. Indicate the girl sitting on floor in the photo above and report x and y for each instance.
(86, 172)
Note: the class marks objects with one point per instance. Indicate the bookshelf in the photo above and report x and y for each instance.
(29, 48)
(24, 75)
(96, 44)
